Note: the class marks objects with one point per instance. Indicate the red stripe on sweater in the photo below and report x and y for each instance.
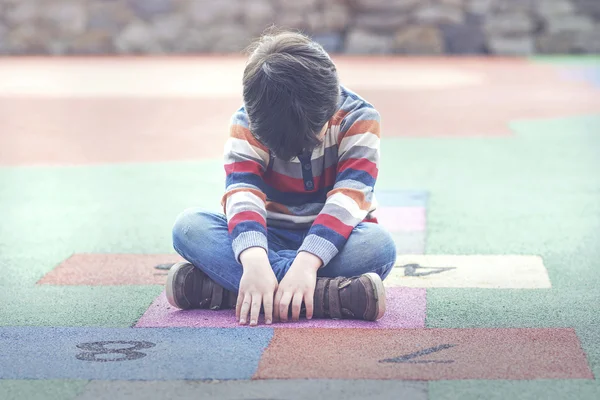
(284, 183)
(334, 224)
(361, 164)
(245, 216)
(327, 178)
(244, 166)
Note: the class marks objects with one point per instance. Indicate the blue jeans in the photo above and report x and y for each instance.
(202, 238)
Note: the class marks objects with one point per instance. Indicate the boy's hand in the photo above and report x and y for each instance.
(298, 285)
(257, 286)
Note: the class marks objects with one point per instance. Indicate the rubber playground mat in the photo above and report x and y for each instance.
(488, 182)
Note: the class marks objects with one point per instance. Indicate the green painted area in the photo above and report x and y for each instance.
(584, 59)
(522, 390)
(126, 208)
(51, 213)
(589, 335)
(511, 308)
(28, 267)
(41, 390)
(534, 193)
(110, 306)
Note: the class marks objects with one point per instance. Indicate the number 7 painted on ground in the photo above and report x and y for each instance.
(407, 358)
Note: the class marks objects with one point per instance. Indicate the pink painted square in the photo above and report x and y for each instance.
(402, 219)
(405, 309)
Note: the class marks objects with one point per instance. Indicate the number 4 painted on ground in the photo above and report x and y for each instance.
(414, 270)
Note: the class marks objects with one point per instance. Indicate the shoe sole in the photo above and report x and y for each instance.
(379, 293)
(175, 269)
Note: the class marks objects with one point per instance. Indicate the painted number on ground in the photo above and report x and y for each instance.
(469, 271)
(113, 351)
(410, 358)
(417, 270)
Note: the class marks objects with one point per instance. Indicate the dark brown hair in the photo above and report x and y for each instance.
(291, 90)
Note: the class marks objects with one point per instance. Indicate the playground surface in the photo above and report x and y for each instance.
(489, 182)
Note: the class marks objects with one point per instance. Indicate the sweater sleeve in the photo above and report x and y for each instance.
(349, 202)
(243, 203)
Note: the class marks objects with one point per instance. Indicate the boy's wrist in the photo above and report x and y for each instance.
(253, 256)
(319, 247)
(249, 240)
(309, 260)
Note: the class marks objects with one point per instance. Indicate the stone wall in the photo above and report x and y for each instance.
(506, 27)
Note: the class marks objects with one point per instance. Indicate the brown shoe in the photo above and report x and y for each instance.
(188, 287)
(361, 297)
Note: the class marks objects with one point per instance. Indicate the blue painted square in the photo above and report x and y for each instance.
(402, 198)
(131, 354)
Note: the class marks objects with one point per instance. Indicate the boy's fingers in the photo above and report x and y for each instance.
(308, 303)
(255, 312)
(268, 306)
(245, 309)
(296, 305)
(238, 305)
(284, 305)
(276, 305)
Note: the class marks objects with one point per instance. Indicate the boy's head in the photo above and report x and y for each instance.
(291, 90)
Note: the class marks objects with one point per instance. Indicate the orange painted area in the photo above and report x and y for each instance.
(107, 110)
(424, 354)
(111, 130)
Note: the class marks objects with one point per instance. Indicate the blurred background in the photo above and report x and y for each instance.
(433, 27)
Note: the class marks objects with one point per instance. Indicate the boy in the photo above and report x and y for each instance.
(298, 235)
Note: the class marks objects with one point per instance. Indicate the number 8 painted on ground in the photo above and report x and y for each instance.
(95, 348)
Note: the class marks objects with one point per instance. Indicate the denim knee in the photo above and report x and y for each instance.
(374, 247)
(386, 249)
(188, 227)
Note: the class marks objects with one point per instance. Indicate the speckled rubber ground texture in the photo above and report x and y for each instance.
(488, 182)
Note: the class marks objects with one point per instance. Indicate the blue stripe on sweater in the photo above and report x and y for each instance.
(297, 199)
(244, 177)
(328, 234)
(247, 226)
(356, 175)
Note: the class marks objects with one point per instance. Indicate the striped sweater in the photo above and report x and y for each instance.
(328, 192)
